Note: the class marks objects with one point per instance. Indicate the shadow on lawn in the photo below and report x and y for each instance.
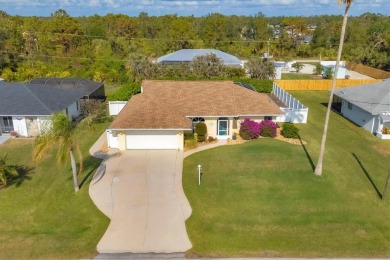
(23, 175)
(90, 165)
(313, 167)
(368, 176)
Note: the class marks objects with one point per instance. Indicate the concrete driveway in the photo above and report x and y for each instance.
(141, 192)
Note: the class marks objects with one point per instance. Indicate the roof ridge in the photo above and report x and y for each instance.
(36, 97)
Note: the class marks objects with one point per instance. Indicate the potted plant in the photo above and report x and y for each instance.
(13, 134)
(234, 137)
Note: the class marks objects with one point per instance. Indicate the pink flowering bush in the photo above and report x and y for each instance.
(268, 128)
(249, 129)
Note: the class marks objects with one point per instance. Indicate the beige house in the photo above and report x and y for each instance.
(164, 111)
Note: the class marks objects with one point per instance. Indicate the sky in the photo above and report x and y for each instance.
(196, 8)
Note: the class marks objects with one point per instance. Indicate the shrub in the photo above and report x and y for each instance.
(261, 85)
(190, 144)
(318, 69)
(268, 128)
(201, 131)
(189, 136)
(298, 66)
(386, 130)
(290, 131)
(125, 92)
(212, 139)
(249, 129)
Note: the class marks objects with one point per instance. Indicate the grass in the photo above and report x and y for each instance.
(41, 216)
(298, 76)
(262, 199)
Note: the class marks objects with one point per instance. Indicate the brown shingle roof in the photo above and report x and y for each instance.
(167, 104)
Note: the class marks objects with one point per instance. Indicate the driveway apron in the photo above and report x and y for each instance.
(141, 191)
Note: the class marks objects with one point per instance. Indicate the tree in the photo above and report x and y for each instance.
(318, 169)
(260, 68)
(61, 137)
(6, 170)
(207, 66)
(298, 66)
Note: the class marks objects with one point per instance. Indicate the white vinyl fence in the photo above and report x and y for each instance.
(295, 112)
(114, 107)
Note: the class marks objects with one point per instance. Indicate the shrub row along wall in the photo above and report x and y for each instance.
(368, 71)
(324, 84)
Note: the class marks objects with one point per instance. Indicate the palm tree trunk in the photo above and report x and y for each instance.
(74, 171)
(318, 169)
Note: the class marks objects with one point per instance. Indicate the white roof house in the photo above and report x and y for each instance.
(185, 56)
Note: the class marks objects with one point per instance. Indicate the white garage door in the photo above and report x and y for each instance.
(151, 140)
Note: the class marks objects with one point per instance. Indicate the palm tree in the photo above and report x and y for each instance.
(61, 137)
(318, 169)
(6, 170)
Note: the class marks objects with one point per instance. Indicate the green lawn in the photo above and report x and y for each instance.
(298, 76)
(40, 214)
(261, 198)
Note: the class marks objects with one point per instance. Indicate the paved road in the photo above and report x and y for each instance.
(141, 192)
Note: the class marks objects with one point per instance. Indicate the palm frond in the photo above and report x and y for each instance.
(43, 144)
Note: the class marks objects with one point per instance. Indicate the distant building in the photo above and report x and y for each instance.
(341, 72)
(185, 56)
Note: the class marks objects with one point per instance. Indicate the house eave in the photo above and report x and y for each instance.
(152, 129)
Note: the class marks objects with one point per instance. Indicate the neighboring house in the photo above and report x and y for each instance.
(186, 56)
(164, 111)
(341, 72)
(27, 107)
(366, 105)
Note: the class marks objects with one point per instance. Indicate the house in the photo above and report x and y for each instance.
(164, 111)
(366, 105)
(186, 56)
(341, 72)
(26, 107)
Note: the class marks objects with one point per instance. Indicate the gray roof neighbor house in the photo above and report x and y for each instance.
(37, 99)
(373, 98)
(185, 56)
(88, 88)
(27, 99)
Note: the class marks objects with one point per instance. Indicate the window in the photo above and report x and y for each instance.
(196, 120)
(268, 118)
(349, 106)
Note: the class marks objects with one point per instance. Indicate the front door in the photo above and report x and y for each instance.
(7, 125)
(223, 127)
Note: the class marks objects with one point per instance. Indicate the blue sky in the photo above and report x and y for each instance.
(196, 8)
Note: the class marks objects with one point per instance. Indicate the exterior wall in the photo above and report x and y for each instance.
(19, 123)
(73, 111)
(32, 126)
(180, 140)
(112, 139)
(212, 124)
(44, 123)
(115, 107)
(121, 141)
(358, 116)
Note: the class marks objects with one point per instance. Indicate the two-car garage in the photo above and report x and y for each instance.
(145, 139)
